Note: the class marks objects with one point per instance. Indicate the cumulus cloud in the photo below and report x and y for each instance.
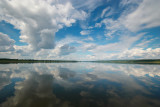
(148, 53)
(6, 43)
(89, 38)
(145, 16)
(88, 46)
(133, 53)
(66, 49)
(39, 20)
(85, 32)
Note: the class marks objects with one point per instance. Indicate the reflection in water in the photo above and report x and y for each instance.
(79, 85)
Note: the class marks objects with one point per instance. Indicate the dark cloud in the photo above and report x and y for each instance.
(6, 43)
(66, 49)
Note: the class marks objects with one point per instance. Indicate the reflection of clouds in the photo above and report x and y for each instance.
(85, 94)
(135, 101)
(128, 83)
(36, 91)
(4, 78)
(85, 72)
(66, 73)
(119, 84)
(129, 69)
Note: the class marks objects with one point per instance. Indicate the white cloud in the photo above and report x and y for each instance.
(6, 43)
(88, 5)
(89, 38)
(124, 43)
(85, 32)
(88, 46)
(145, 16)
(148, 53)
(134, 53)
(39, 20)
(128, 2)
(112, 27)
(145, 42)
(104, 11)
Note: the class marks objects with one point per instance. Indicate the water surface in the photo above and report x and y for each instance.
(79, 85)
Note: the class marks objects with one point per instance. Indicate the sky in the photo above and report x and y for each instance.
(80, 29)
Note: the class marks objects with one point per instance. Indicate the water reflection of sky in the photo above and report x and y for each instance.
(79, 85)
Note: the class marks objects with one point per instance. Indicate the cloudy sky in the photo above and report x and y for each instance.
(80, 29)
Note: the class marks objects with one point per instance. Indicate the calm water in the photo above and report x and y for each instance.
(79, 85)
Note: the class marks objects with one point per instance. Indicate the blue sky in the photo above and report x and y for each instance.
(80, 30)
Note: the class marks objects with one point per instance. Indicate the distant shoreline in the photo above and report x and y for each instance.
(138, 61)
(9, 61)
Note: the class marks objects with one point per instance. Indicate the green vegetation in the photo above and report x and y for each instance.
(8, 61)
(142, 61)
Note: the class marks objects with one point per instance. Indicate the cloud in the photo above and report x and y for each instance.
(148, 53)
(39, 20)
(108, 11)
(87, 5)
(145, 42)
(88, 46)
(85, 32)
(63, 48)
(66, 50)
(129, 2)
(144, 17)
(6, 43)
(112, 27)
(89, 38)
(104, 11)
(133, 53)
(124, 43)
